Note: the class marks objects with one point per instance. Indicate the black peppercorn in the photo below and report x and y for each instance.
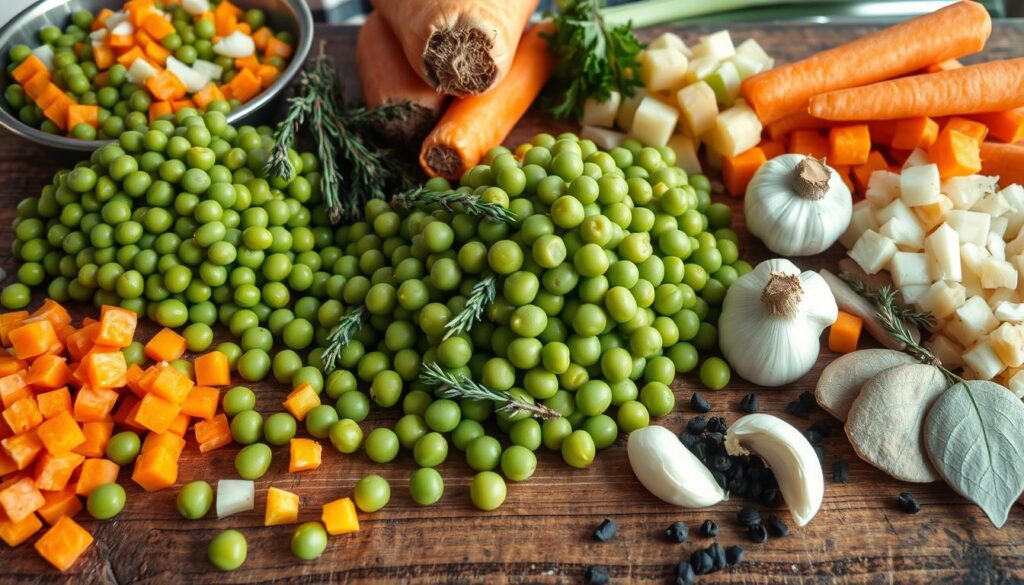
(907, 503)
(758, 533)
(701, 562)
(840, 471)
(677, 532)
(717, 554)
(734, 555)
(697, 425)
(807, 399)
(813, 437)
(717, 424)
(770, 497)
(700, 451)
(596, 575)
(721, 462)
(709, 529)
(798, 409)
(776, 527)
(606, 530)
(748, 516)
(684, 574)
(820, 452)
(715, 438)
(749, 404)
(822, 428)
(699, 403)
(689, 439)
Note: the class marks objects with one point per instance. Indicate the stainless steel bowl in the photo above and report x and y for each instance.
(289, 15)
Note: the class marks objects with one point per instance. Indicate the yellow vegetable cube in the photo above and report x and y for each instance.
(302, 400)
(282, 507)
(339, 517)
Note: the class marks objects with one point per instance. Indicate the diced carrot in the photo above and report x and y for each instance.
(139, 13)
(244, 85)
(97, 435)
(11, 365)
(212, 369)
(1005, 126)
(975, 130)
(182, 104)
(117, 325)
(849, 145)
(14, 533)
(20, 499)
(7, 464)
(81, 114)
(96, 472)
(126, 411)
(33, 339)
(94, 404)
(225, 89)
(882, 131)
(165, 346)
(213, 434)
(261, 37)
(60, 503)
(38, 85)
(167, 441)
(225, 6)
(157, 26)
(305, 455)
(53, 312)
(80, 342)
(63, 543)
(179, 426)
(156, 413)
(738, 170)
(54, 402)
(158, 110)
(105, 369)
(171, 385)
(101, 18)
(129, 57)
(244, 28)
(28, 68)
(121, 42)
(23, 415)
(149, 376)
(862, 173)
(772, 148)
(156, 52)
(14, 387)
(955, 153)
(22, 449)
(845, 333)
(86, 321)
(339, 517)
(301, 400)
(224, 23)
(278, 48)
(808, 142)
(267, 74)
(915, 133)
(251, 63)
(206, 95)
(53, 472)
(133, 378)
(155, 470)
(60, 434)
(282, 507)
(201, 402)
(8, 321)
(48, 372)
(103, 55)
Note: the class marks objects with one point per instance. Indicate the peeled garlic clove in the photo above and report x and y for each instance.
(669, 471)
(789, 455)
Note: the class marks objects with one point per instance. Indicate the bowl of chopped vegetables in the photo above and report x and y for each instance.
(79, 73)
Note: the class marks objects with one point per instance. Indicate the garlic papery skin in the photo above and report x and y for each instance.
(771, 320)
(788, 454)
(669, 471)
(797, 205)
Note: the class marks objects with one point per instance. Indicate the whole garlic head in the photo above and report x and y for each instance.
(771, 320)
(797, 205)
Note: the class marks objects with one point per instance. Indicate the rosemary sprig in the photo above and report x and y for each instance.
(454, 386)
(908, 314)
(451, 200)
(341, 335)
(483, 294)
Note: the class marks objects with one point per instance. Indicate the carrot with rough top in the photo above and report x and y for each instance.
(1003, 160)
(956, 30)
(474, 124)
(987, 87)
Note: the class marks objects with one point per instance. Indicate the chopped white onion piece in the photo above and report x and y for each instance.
(234, 496)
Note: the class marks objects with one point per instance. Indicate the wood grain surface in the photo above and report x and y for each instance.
(543, 532)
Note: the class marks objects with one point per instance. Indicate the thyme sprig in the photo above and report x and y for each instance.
(908, 314)
(452, 200)
(480, 297)
(340, 336)
(455, 386)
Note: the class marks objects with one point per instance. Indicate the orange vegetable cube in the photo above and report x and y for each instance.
(179, 426)
(49, 371)
(915, 133)
(53, 312)
(208, 94)
(131, 55)
(21, 499)
(159, 110)
(23, 415)
(133, 379)
(1006, 126)
(845, 333)
(80, 342)
(166, 86)
(808, 142)
(14, 387)
(104, 57)
(33, 339)
(772, 149)
(849, 145)
(212, 369)
(60, 503)
(244, 27)
(97, 435)
(53, 472)
(60, 434)
(302, 400)
(126, 411)
(862, 173)
(181, 104)
(167, 441)
(738, 170)
(105, 369)
(37, 86)
(213, 434)
(63, 543)
(244, 85)
(22, 449)
(8, 321)
(305, 455)
(82, 114)
(339, 517)
(157, 26)
(96, 472)
(251, 63)
(117, 326)
(955, 153)
(121, 42)
(155, 470)
(28, 68)
(224, 23)
(165, 346)
(278, 48)
(975, 130)
(94, 404)
(226, 7)
(282, 507)
(50, 94)
(6, 464)
(14, 533)
(11, 365)
(157, 53)
(267, 74)
(171, 385)
(202, 402)
(260, 37)
(156, 413)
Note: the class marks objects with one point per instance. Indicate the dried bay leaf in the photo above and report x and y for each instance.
(887, 418)
(841, 380)
(973, 435)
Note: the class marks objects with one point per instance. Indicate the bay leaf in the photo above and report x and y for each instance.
(973, 435)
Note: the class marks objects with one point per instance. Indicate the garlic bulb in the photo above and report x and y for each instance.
(668, 470)
(797, 205)
(771, 320)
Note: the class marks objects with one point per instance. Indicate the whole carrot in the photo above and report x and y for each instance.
(957, 30)
(474, 124)
(1005, 161)
(988, 87)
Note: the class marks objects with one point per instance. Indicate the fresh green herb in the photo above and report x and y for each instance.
(595, 58)
(921, 319)
(480, 297)
(341, 335)
(455, 386)
(467, 203)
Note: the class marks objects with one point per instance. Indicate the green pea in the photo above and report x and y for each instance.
(320, 420)
(279, 428)
(247, 427)
(426, 486)
(253, 461)
(715, 373)
(354, 405)
(381, 445)
(238, 399)
(123, 448)
(106, 501)
(578, 449)
(372, 493)
(195, 499)
(309, 541)
(483, 453)
(228, 550)
(346, 435)
(487, 491)
(430, 450)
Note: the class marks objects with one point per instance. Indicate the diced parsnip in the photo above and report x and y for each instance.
(1014, 195)
(976, 318)
(627, 109)
(966, 191)
(942, 247)
(863, 219)
(662, 69)
(948, 351)
(97, 37)
(917, 158)
(984, 361)
(999, 296)
(725, 82)
(998, 274)
(208, 68)
(140, 71)
(1012, 312)
(900, 225)
(907, 268)
(45, 54)
(752, 49)
(933, 214)
(1015, 247)
(872, 251)
(700, 68)
(654, 122)
(883, 188)
(993, 203)
(972, 258)
(123, 26)
(912, 293)
(943, 299)
(601, 114)
(670, 41)
(736, 130)
(996, 246)
(685, 148)
(603, 137)
(718, 45)
(1016, 384)
(1008, 342)
(920, 185)
(998, 227)
(746, 66)
(699, 108)
(190, 78)
(972, 226)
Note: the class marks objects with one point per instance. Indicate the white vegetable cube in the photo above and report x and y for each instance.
(45, 54)
(123, 26)
(920, 185)
(972, 258)
(662, 69)
(907, 234)
(1016, 384)
(933, 214)
(746, 66)
(916, 158)
(234, 496)
(195, 7)
(873, 251)
(1008, 343)
(208, 68)
(970, 225)
(883, 188)
(996, 246)
(1015, 247)
(700, 68)
(654, 122)
(984, 361)
(942, 248)
(140, 71)
(718, 45)
(602, 114)
(1001, 296)
(976, 318)
(670, 41)
(863, 219)
(725, 82)
(235, 45)
(736, 130)
(943, 299)
(948, 351)
(993, 203)
(752, 49)
(190, 78)
(907, 268)
(698, 107)
(997, 273)
(912, 293)
(1014, 196)
(1012, 312)
(628, 108)
(998, 227)
(685, 148)
(603, 137)
(966, 191)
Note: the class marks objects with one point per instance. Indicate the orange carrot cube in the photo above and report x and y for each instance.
(21, 499)
(60, 434)
(105, 369)
(117, 325)
(738, 170)
(53, 402)
(33, 339)
(53, 472)
(22, 449)
(915, 133)
(96, 472)
(156, 413)
(171, 385)
(202, 402)
(305, 455)
(213, 434)
(97, 435)
(955, 153)
(60, 503)
(63, 543)
(339, 517)
(808, 142)
(212, 369)
(94, 404)
(301, 400)
(14, 533)
(975, 130)
(849, 145)
(165, 346)
(155, 470)
(23, 415)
